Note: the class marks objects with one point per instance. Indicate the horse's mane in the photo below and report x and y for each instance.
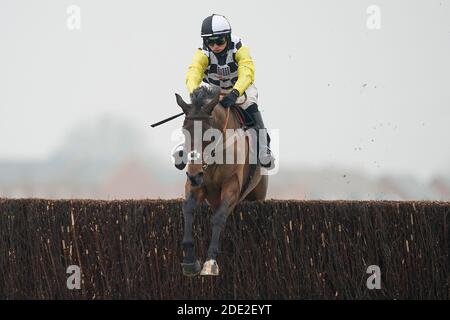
(202, 95)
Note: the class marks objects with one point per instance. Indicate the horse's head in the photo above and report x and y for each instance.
(203, 102)
(197, 121)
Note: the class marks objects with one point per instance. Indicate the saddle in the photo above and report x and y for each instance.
(245, 119)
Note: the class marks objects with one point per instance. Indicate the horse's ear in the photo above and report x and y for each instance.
(186, 107)
(211, 105)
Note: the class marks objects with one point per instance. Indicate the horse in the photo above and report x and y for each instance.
(221, 185)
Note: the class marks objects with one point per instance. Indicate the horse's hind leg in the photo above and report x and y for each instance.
(229, 199)
(191, 266)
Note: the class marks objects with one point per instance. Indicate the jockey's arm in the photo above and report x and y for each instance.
(196, 70)
(246, 70)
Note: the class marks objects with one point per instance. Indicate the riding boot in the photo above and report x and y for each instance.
(265, 157)
(180, 157)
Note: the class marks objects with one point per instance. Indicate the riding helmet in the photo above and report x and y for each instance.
(216, 25)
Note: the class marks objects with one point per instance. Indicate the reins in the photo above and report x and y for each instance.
(228, 110)
(226, 120)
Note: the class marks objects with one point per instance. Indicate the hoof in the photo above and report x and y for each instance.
(210, 268)
(191, 269)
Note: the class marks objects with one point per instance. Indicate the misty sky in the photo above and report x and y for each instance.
(338, 92)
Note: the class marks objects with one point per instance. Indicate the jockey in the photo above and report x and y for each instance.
(224, 61)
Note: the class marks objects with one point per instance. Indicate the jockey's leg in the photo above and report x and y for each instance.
(266, 159)
(250, 104)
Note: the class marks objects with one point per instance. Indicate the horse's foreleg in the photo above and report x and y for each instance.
(191, 266)
(229, 199)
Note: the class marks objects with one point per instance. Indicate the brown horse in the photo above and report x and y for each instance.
(221, 185)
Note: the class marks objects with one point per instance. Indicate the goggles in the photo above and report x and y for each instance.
(215, 40)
